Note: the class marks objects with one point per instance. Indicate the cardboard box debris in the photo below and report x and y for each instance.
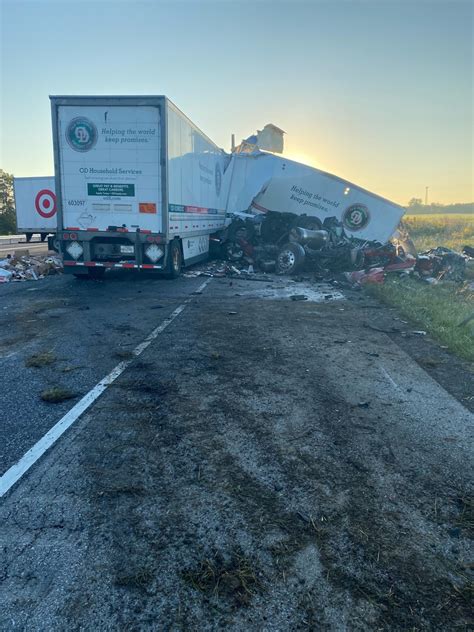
(25, 267)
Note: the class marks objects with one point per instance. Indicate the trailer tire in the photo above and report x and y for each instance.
(175, 260)
(290, 258)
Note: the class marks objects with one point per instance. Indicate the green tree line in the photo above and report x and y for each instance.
(7, 204)
(416, 207)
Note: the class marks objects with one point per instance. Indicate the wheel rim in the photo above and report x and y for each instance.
(286, 260)
(176, 259)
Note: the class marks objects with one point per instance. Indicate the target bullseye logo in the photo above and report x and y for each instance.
(45, 203)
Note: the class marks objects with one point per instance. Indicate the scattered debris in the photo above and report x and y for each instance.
(287, 244)
(441, 263)
(360, 277)
(21, 266)
(299, 297)
(57, 394)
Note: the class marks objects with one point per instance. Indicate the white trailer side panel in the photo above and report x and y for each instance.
(271, 183)
(110, 166)
(197, 181)
(35, 204)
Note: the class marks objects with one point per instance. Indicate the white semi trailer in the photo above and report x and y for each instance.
(262, 182)
(35, 205)
(138, 185)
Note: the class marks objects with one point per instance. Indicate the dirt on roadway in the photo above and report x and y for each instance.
(264, 465)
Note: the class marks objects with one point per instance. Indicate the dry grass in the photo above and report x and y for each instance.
(38, 360)
(428, 231)
(234, 578)
(124, 355)
(56, 394)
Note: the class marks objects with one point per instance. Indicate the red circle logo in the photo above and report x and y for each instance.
(44, 200)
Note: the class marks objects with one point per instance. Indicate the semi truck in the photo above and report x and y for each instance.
(35, 205)
(138, 185)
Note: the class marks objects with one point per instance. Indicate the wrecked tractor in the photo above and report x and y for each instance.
(323, 245)
(288, 243)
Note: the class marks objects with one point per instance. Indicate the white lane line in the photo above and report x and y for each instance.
(17, 470)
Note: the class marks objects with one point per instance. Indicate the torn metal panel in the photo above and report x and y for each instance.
(270, 138)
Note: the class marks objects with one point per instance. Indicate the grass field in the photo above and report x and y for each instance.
(438, 309)
(429, 231)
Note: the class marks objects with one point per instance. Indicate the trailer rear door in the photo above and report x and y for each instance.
(110, 166)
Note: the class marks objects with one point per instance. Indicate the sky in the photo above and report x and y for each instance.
(377, 92)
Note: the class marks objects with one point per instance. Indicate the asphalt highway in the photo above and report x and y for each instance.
(251, 462)
(33, 248)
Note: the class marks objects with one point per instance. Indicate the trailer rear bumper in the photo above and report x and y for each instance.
(112, 249)
(74, 266)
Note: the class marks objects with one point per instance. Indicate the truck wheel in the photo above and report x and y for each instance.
(290, 258)
(175, 260)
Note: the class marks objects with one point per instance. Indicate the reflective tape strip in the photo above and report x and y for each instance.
(109, 264)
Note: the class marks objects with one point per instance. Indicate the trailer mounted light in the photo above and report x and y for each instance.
(73, 236)
(154, 252)
(65, 235)
(75, 250)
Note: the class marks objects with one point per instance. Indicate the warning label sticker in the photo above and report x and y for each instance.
(147, 207)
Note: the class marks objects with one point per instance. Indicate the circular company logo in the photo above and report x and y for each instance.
(81, 134)
(356, 217)
(45, 203)
(218, 179)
